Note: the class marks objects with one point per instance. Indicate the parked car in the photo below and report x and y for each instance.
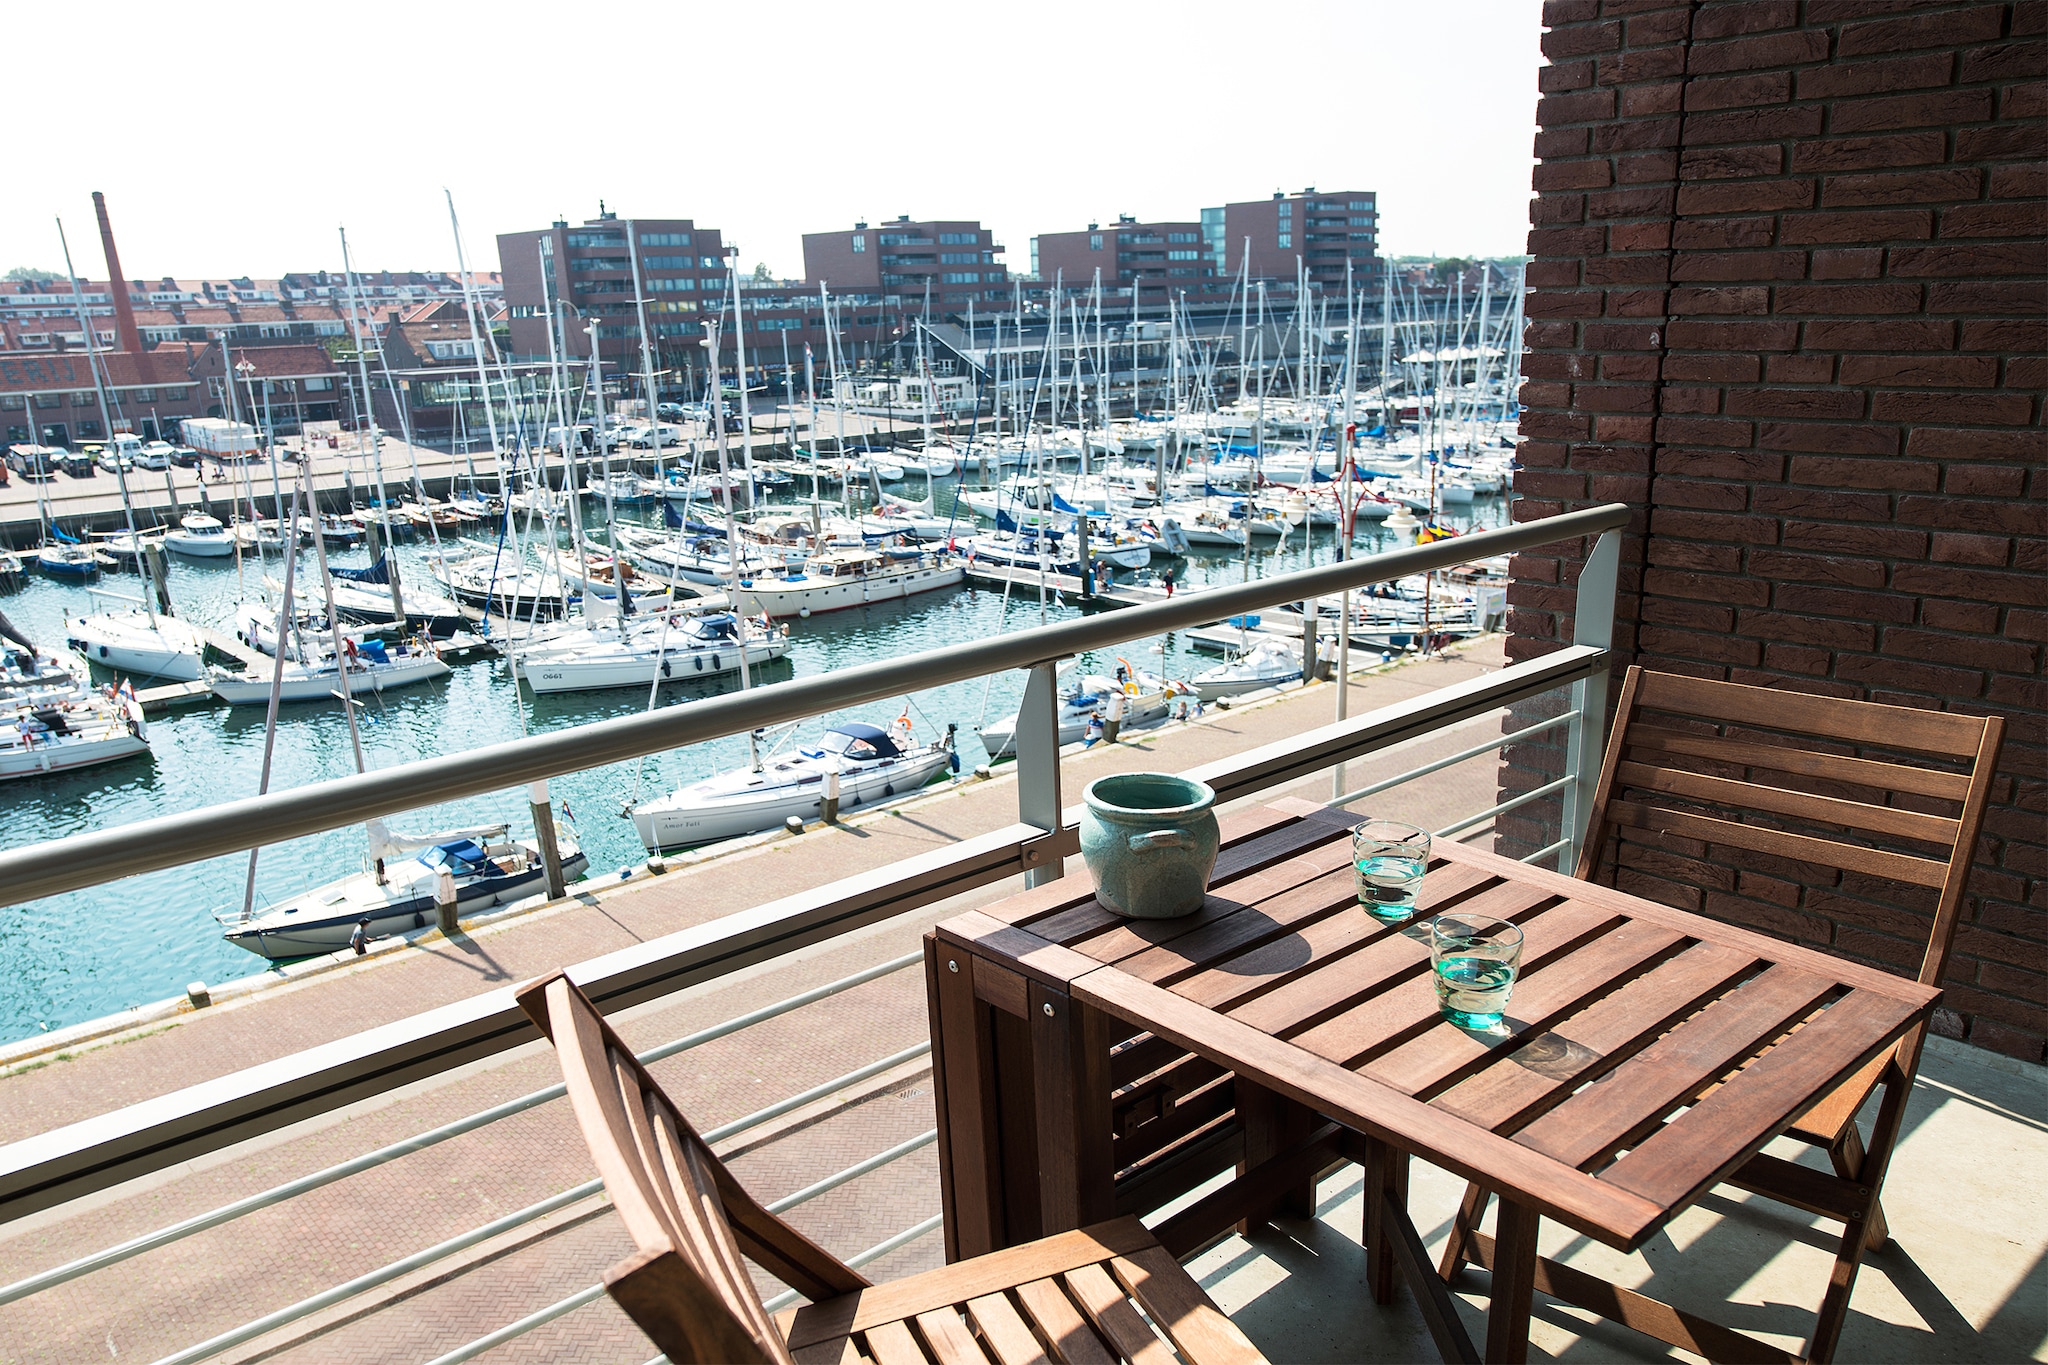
(185, 457)
(155, 455)
(110, 461)
(35, 463)
(76, 463)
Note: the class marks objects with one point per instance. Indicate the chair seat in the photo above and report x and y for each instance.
(1093, 1295)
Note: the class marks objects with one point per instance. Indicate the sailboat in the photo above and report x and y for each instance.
(1146, 701)
(397, 893)
(671, 646)
(870, 763)
(140, 642)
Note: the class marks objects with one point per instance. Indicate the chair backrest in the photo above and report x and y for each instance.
(1818, 780)
(690, 1221)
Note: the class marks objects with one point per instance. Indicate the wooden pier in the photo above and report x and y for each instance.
(1067, 585)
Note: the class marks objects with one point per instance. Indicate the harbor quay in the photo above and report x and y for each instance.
(218, 1279)
(344, 477)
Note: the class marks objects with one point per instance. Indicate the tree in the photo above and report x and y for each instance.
(762, 273)
(1451, 269)
(28, 274)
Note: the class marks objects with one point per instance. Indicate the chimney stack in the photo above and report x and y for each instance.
(117, 283)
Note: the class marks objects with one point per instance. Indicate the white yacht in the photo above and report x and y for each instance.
(149, 645)
(672, 646)
(397, 895)
(372, 667)
(840, 579)
(1147, 700)
(872, 765)
(1268, 663)
(201, 536)
(54, 732)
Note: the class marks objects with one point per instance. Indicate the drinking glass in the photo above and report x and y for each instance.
(1476, 958)
(1391, 858)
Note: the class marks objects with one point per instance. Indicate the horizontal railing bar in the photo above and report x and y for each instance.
(284, 1317)
(277, 1194)
(1459, 757)
(93, 1154)
(855, 1171)
(817, 1092)
(1503, 807)
(520, 1328)
(88, 859)
(1546, 851)
(872, 1254)
(1315, 751)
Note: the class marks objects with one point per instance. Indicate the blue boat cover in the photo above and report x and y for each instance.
(380, 572)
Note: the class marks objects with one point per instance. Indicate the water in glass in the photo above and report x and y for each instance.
(1390, 858)
(1476, 958)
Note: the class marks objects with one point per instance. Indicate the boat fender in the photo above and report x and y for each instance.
(715, 665)
(103, 651)
(664, 668)
(419, 919)
(699, 661)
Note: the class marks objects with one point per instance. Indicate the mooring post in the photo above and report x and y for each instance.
(544, 834)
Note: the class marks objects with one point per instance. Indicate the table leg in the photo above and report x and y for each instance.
(964, 1089)
(1386, 1197)
(1071, 1093)
(1514, 1284)
(1273, 1124)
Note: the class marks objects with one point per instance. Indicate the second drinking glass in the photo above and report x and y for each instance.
(1390, 858)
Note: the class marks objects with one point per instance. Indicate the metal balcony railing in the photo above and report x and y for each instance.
(84, 1158)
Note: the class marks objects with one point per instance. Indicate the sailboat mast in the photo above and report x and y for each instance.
(348, 272)
(739, 354)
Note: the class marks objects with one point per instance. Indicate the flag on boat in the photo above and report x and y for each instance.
(1432, 531)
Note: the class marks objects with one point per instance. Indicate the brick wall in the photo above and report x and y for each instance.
(1789, 300)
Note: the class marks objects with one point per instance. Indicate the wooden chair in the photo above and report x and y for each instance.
(1099, 1294)
(1771, 772)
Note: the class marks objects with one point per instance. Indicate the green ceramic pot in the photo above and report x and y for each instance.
(1150, 842)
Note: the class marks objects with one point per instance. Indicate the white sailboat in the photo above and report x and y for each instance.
(671, 647)
(48, 732)
(1269, 663)
(871, 765)
(1147, 699)
(201, 536)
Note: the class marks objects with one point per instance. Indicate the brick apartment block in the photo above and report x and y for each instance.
(1789, 300)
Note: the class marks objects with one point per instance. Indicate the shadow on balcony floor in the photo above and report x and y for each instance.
(1964, 1278)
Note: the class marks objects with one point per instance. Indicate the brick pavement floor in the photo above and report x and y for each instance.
(175, 1296)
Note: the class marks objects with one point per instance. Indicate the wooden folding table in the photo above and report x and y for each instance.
(1089, 1066)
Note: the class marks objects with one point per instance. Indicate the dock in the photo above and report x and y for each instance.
(1067, 585)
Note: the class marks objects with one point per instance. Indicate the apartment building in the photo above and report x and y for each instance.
(1324, 232)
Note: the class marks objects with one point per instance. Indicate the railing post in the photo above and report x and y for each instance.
(1586, 740)
(1038, 763)
(544, 835)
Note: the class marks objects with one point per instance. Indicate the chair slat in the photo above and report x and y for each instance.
(580, 1045)
(891, 1343)
(947, 1338)
(1784, 758)
(1004, 1331)
(1799, 847)
(1832, 810)
(1771, 708)
(1073, 1338)
(1675, 1067)
(1174, 1301)
(1105, 1303)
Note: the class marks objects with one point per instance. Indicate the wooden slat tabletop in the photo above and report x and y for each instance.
(1646, 1052)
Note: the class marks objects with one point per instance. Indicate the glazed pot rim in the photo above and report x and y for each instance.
(1204, 800)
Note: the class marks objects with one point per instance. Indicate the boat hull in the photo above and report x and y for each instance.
(64, 756)
(281, 934)
(640, 669)
(808, 596)
(666, 827)
(248, 690)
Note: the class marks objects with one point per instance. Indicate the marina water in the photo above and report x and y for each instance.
(75, 957)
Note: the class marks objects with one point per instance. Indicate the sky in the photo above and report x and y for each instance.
(235, 139)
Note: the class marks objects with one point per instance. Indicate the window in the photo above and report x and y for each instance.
(664, 239)
(668, 263)
(961, 277)
(778, 324)
(88, 430)
(606, 287)
(317, 384)
(1361, 236)
(1095, 241)
(48, 400)
(528, 310)
(673, 306)
(174, 395)
(670, 284)
(145, 395)
(577, 239)
(907, 260)
(1182, 270)
(580, 263)
(1361, 222)
(616, 331)
(904, 239)
(959, 238)
(860, 241)
(710, 263)
(1183, 255)
(960, 257)
(1285, 239)
(82, 399)
(1183, 237)
(672, 329)
(1286, 209)
(13, 402)
(1361, 203)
